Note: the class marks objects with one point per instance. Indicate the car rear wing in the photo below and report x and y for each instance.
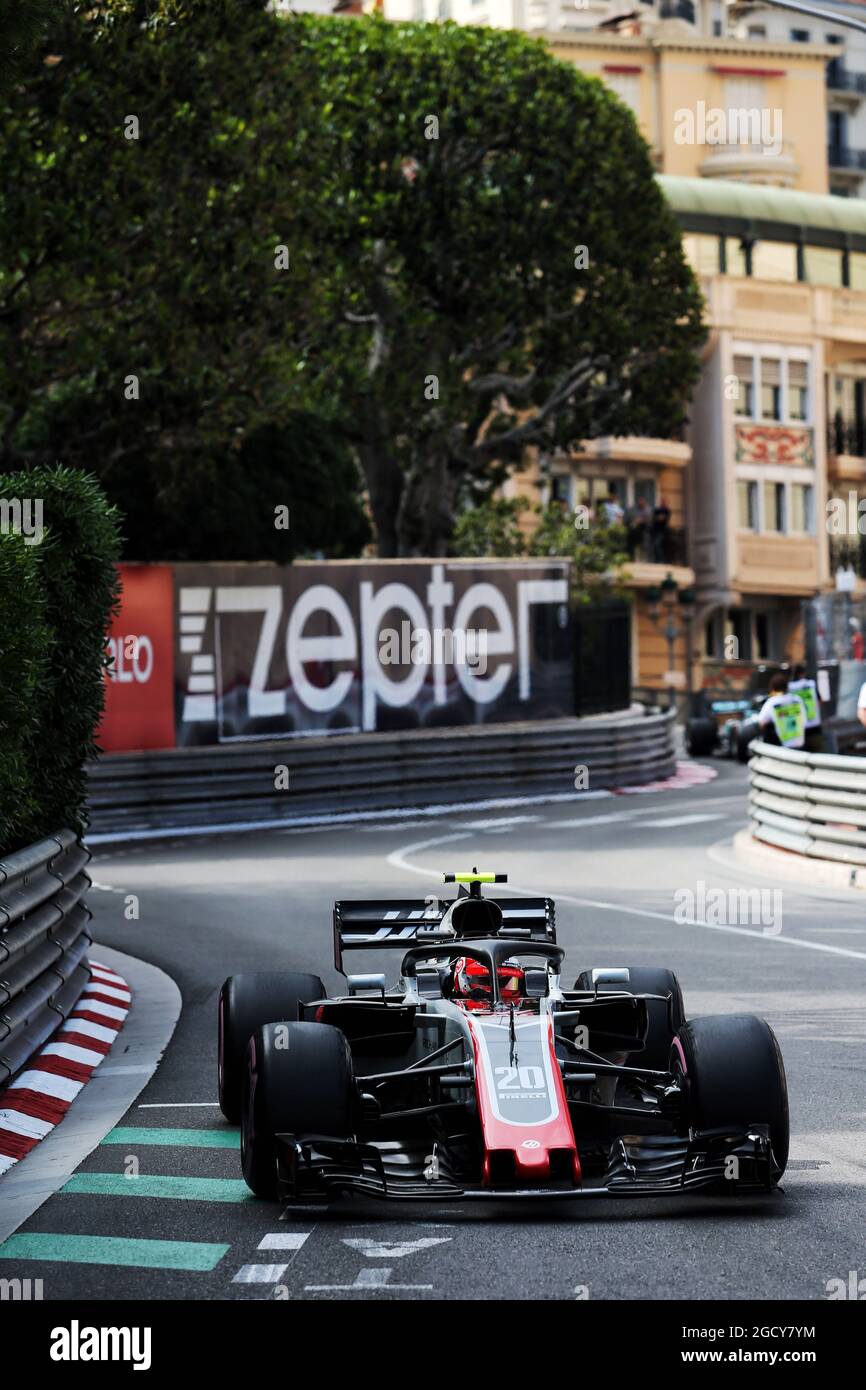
(387, 923)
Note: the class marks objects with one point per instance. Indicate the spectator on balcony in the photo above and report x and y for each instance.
(611, 509)
(659, 531)
(638, 521)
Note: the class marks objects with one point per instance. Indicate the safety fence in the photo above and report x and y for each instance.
(809, 803)
(44, 939)
(262, 782)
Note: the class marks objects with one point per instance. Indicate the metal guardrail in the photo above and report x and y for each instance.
(236, 782)
(44, 938)
(810, 803)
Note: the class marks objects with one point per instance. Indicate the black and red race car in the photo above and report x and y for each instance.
(477, 1075)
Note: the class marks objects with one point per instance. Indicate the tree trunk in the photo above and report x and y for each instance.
(385, 485)
(425, 518)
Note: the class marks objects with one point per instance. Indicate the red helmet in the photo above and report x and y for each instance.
(471, 980)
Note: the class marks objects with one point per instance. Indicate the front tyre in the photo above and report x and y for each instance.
(733, 1074)
(245, 1003)
(298, 1079)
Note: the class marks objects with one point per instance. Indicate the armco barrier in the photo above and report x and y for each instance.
(810, 803)
(44, 939)
(236, 782)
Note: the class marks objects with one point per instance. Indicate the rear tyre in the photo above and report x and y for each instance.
(733, 1073)
(298, 1079)
(649, 979)
(245, 1003)
(701, 737)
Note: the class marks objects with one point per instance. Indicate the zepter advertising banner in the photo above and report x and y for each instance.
(363, 646)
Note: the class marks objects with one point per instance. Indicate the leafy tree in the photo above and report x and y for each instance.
(68, 590)
(146, 331)
(597, 551)
(24, 649)
(491, 528)
(501, 266)
(214, 221)
(22, 23)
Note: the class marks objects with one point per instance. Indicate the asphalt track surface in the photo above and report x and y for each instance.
(186, 1228)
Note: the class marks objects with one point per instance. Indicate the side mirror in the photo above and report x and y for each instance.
(537, 984)
(610, 975)
(366, 984)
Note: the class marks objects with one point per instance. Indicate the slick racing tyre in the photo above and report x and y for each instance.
(647, 979)
(732, 1073)
(297, 1079)
(245, 1003)
(701, 737)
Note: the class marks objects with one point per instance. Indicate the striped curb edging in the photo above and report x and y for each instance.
(688, 774)
(37, 1100)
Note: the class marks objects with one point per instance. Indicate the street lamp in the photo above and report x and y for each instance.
(662, 603)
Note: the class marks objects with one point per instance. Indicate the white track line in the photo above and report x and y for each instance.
(179, 1105)
(398, 860)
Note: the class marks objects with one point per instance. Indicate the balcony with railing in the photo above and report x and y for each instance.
(752, 161)
(848, 553)
(847, 437)
(843, 157)
(846, 453)
(843, 82)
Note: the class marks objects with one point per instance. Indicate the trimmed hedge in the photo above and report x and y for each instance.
(57, 597)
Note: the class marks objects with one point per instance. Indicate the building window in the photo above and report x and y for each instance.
(771, 388)
(644, 489)
(745, 101)
(798, 390)
(744, 372)
(823, 265)
(747, 505)
(802, 509)
(800, 36)
(774, 507)
(735, 257)
(625, 85)
(857, 270)
(774, 260)
(560, 488)
(702, 253)
(757, 31)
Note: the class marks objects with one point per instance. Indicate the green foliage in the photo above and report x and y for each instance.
(24, 651)
(461, 171)
(69, 592)
(492, 528)
(145, 333)
(597, 550)
(22, 22)
(432, 312)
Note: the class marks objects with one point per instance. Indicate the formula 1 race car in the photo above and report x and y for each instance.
(477, 1075)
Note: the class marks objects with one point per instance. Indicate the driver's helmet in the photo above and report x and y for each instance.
(471, 980)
